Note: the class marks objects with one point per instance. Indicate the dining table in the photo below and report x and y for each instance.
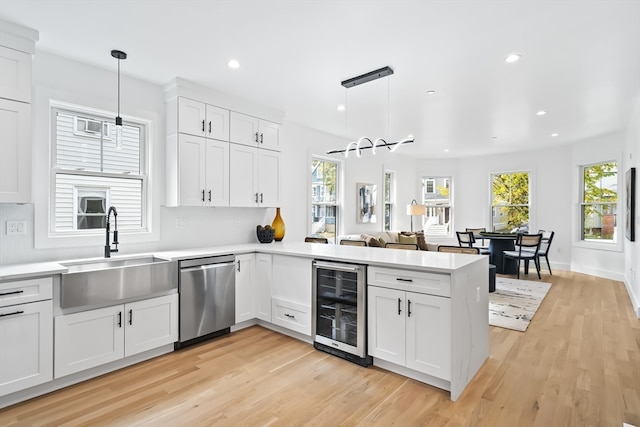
(498, 243)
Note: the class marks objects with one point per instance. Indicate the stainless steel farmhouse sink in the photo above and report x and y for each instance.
(108, 281)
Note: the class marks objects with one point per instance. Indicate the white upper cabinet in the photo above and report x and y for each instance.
(15, 152)
(200, 119)
(15, 75)
(254, 177)
(254, 132)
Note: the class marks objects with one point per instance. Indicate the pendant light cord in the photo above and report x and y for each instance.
(119, 87)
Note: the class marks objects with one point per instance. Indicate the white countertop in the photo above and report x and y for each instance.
(393, 258)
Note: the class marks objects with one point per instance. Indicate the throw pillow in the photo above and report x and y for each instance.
(422, 243)
(411, 239)
(371, 241)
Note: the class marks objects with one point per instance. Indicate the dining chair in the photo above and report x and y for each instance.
(545, 244)
(528, 246)
(458, 250)
(347, 242)
(476, 232)
(401, 246)
(467, 239)
(316, 240)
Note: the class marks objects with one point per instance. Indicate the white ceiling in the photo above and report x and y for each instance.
(580, 62)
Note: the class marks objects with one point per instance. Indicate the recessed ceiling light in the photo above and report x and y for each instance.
(541, 113)
(555, 134)
(341, 108)
(446, 150)
(234, 64)
(431, 92)
(494, 137)
(512, 57)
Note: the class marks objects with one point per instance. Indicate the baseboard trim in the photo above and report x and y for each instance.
(635, 300)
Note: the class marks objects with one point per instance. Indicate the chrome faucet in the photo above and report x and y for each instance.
(107, 246)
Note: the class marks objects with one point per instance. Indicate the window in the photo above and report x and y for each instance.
(436, 196)
(389, 184)
(324, 199)
(599, 202)
(510, 202)
(90, 174)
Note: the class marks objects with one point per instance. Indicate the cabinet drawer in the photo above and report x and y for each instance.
(290, 315)
(414, 281)
(23, 291)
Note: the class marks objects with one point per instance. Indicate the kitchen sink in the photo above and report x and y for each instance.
(107, 282)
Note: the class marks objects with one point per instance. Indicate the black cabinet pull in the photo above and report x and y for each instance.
(261, 138)
(203, 195)
(12, 314)
(209, 195)
(209, 126)
(120, 319)
(261, 197)
(238, 266)
(400, 279)
(256, 136)
(290, 316)
(203, 126)
(409, 308)
(399, 309)
(11, 293)
(130, 317)
(256, 197)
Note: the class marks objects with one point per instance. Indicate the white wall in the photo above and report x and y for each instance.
(632, 249)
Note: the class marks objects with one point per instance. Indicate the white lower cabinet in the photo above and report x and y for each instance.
(246, 301)
(411, 330)
(263, 279)
(92, 338)
(291, 293)
(26, 346)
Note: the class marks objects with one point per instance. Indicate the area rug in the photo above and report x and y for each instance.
(515, 302)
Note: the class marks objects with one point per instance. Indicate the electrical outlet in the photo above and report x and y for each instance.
(16, 227)
(181, 223)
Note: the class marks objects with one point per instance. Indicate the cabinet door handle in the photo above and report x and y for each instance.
(203, 126)
(11, 293)
(409, 308)
(130, 317)
(261, 138)
(256, 136)
(12, 314)
(290, 316)
(401, 279)
(399, 306)
(238, 266)
(203, 195)
(261, 197)
(256, 197)
(209, 195)
(209, 126)
(120, 319)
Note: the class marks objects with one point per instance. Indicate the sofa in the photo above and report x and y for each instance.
(379, 238)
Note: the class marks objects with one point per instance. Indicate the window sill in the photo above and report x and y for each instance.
(599, 246)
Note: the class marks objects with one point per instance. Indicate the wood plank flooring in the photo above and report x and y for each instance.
(578, 364)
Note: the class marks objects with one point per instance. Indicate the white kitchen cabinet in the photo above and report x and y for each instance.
(15, 75)
(203, 171)
(254, 177)
(246, 298)
(92, 338)
(410, 329)
(264, 279)
(200, 119)
(15, 152)
(291, 293)
(26, 346)
(254, 132)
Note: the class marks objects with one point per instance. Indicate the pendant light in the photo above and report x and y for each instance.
(119, 55)
(358, 146)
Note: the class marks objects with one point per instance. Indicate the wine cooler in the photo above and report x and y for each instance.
(339, 310)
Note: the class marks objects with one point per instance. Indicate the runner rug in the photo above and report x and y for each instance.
(515, 302)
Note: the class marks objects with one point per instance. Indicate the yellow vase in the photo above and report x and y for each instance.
(278, 226)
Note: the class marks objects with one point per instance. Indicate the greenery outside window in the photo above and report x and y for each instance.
(325, 209)
(599, 202)
(510, 202)
(436, 196)
(389, 183)
(89, 173)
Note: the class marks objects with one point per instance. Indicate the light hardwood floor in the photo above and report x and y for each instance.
(578, 364)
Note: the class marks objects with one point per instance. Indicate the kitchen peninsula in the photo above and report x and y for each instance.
(455, 333)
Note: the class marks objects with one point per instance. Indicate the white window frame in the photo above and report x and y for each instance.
(44, 235)
(434, 179)
(338, 203)
(529, 202)
(392, 199)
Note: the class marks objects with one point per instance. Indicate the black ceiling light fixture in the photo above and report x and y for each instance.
(119, 55)
(379, 142)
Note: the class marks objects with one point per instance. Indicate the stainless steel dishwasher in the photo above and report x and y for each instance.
(207, 298)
